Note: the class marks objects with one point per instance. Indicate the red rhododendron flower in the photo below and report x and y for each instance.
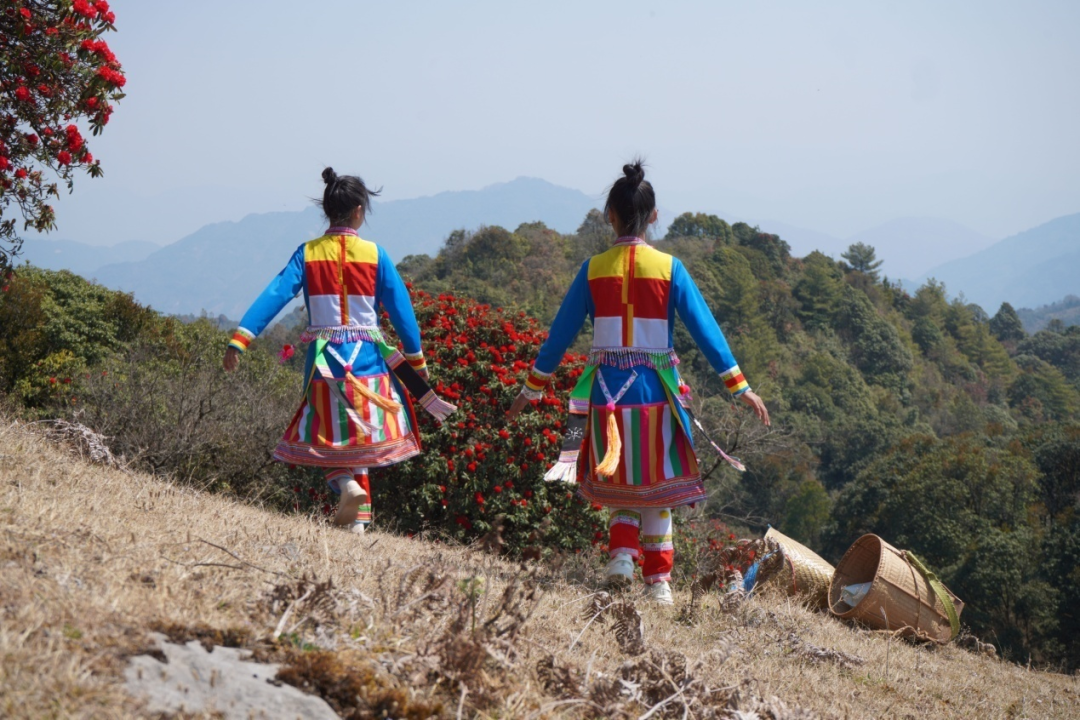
(63, 157)
(84, 8)
(21, 93)
(287, 351)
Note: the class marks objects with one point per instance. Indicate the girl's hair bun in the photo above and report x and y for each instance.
(632, 201)
(342, 195)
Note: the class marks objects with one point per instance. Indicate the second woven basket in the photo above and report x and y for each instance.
(804, 572)
(903, 595)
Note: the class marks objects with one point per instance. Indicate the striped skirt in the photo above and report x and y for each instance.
(657, 466)
(321, 433)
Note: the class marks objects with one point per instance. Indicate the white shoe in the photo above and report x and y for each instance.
(660, 593)
(620, 570)
(352, 497)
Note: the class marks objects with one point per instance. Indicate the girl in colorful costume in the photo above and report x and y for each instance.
(629, 438)
(354, 414)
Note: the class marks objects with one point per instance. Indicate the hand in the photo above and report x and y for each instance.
(520, 403)
(232, 359)
(757, 404)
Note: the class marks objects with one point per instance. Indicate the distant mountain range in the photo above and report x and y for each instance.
(1036, 267)
(1067, 311)
(221, 268)
(80, 258)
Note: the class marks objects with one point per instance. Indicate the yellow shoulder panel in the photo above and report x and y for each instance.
(362, 251)
(652, 264)
(610, 263)
(323, 248)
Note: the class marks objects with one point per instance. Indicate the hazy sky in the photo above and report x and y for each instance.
(834, 116)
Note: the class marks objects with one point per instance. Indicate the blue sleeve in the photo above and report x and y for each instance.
(391, 293)
(567, 323)
(699, 320)
(281, 290)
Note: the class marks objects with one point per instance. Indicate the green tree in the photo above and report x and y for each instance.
(819, 291)
(807, 512)
(876, 347)
(1041, 391)
(699, 225)
(863, 258)
(593, 236)
(1006, 325)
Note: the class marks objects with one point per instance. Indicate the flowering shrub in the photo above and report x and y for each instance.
(54, 71)
(479, 466)
(704, 546)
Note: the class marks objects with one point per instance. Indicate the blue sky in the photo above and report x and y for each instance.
(835, 116)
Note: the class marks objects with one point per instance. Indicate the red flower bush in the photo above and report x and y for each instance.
(55, 72)
(478, 467)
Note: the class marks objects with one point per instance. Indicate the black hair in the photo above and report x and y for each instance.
(343, 194)
(632, 199)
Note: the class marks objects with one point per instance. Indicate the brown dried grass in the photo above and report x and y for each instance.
(94, 557)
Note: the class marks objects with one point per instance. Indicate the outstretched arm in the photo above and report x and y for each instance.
(394, 297)
(699, 320)
(564, 329)
(281, 290)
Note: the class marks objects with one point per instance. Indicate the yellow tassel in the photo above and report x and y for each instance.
(385, 403)
(610, 463)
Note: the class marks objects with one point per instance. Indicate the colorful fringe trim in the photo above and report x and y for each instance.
(628, 357)
(339, 334)
(565, 470)
(438, 407)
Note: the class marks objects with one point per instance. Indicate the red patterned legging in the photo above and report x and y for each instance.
(336, 478)
(654, 524)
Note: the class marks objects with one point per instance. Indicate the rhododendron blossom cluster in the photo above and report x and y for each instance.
(56, 74)
(479, 466)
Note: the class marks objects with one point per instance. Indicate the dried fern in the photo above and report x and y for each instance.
(628, 627)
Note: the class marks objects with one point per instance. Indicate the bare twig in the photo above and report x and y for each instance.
(245, 562)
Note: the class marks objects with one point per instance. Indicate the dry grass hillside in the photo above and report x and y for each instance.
(92, 558)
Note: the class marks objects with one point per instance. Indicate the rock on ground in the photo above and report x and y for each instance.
(193, 680)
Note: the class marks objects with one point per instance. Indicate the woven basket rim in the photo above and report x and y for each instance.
(837, 585)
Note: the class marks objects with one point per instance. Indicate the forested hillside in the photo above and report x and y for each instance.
(946, 431)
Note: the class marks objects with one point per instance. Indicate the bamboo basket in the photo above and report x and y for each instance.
(902, 596)
(804, 572)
